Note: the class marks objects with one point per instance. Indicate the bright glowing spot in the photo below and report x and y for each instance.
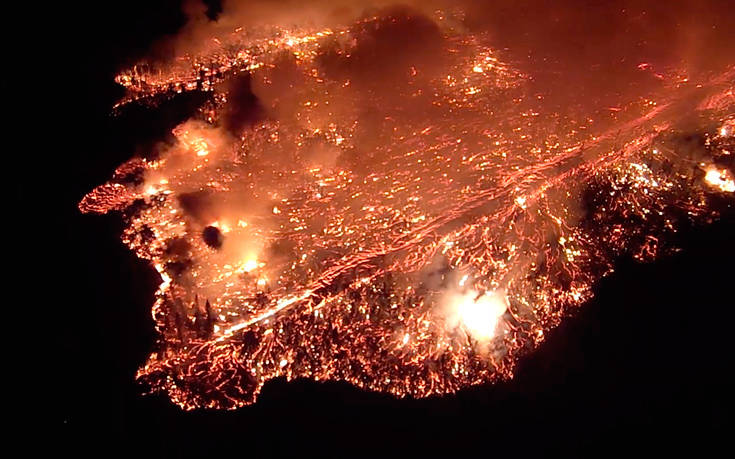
(283, 363)
(720, 179)
(200, 146)
(192, 140)
(477, 69)
(249, 266)
(276, 210)
(480, 316)
(242, 223)
(224, 227)
(164, 276)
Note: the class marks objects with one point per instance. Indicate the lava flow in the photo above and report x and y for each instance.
(412, 225)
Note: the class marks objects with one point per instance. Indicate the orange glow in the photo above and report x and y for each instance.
(412, 234)
(720, 179)
(481, 314)
(248, 266)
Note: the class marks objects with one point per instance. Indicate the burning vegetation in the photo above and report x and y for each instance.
(392, 204)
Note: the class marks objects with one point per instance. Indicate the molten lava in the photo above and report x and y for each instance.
(413, 227)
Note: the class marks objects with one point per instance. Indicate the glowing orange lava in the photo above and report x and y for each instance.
(414, 230)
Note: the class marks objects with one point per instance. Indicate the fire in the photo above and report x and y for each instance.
(222, 226)
(412, 229)
(720, 179)
(480, 314)
(196, 143)
(727, 129)
(247, 266)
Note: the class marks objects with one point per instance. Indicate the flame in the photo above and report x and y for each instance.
(247, 266)
(720, 179)
(480, 314)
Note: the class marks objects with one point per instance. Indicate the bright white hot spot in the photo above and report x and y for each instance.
(479, 314)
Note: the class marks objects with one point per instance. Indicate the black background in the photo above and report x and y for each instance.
(641, 368)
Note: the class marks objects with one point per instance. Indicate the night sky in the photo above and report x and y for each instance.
(640, 369)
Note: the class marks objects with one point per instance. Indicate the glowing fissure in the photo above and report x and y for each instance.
(413, 231)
